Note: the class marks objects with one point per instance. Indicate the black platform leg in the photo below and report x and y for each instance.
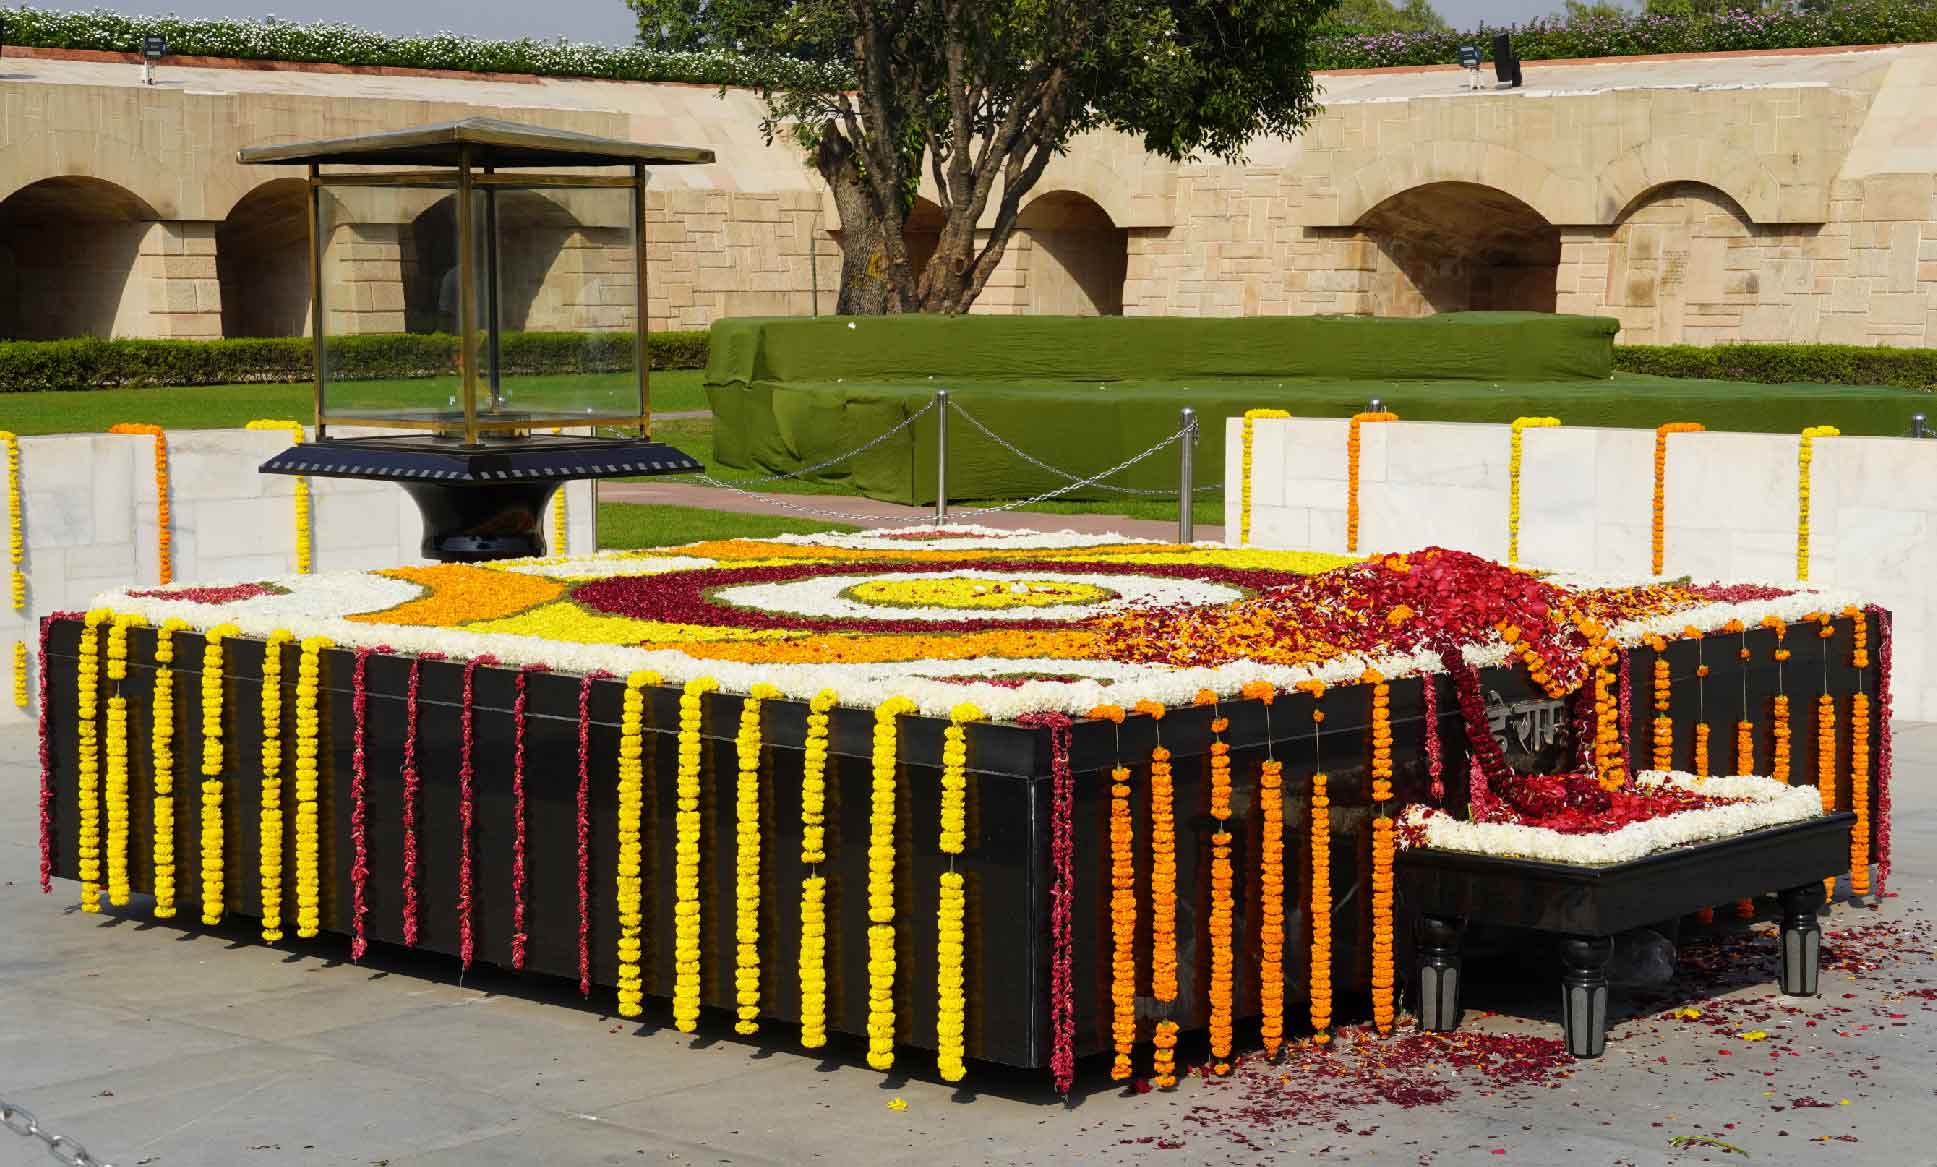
(1583, 993)
(1800, 955)
(1439, 970)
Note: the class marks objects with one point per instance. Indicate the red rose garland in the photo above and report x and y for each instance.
(1435, 764)
(1488, 760)
(1062, 1006)
(585, 830)
(47, 757)
(411, 782)
(518, 936)
(1883, 749)
(466, 942)
(1627, 701)
(359, 774)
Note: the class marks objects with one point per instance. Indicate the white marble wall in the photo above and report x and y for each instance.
(1586, 504)
(89, 521)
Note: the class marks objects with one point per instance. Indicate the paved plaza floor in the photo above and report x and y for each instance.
(187, 1046)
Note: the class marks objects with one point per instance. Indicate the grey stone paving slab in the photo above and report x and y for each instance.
(181, 1046)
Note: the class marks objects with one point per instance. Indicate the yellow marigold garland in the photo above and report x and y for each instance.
(87, 749)
(561, 532)
(212, 840)
(304, 542)
(1805, 454)
(1163, 900)
(1271, 882)
(746, 862)
(813, 886)
(161, 743)
(1223, 905)
(309, 668)
(115, 783)
(1352, 442)
(881, 884)
(270, 818)
(1859, 754)
(1520, 426)
(951, 1001)
(1660, 524)
(1384, 845)
(628, 892)
(1251, 417)
(16, 555)
(165, 537)
(686, 820)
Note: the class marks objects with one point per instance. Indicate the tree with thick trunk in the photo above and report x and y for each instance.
(977, 96)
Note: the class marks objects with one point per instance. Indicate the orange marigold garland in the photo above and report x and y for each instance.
(1660, 526)
(1384, 844)
(1163, 900)
(1223, 905)
(1123, 909)
(1247, 436)
(1271, 882)
(1352, 442)
(164, 538)
(1663, 737)
(1826, 760)
(1859, 754)
(1779, 731)
(1321, 904)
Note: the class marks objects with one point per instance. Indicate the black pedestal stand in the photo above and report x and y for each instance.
(485, 501)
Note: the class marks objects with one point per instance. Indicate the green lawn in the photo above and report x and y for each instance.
(230, 406)
(695, 437)
(624, 524)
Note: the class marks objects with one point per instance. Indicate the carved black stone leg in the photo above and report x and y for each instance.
(1439, 971)
(1583, 993)
(1801, 951)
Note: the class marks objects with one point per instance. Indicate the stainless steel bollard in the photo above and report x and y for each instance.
(1186, 495)
(941, 456)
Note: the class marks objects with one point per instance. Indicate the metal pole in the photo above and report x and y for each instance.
(1918, 427)
(316, 240)
(941, 456)
(1186, 496)
(467, 290)
(491, 312)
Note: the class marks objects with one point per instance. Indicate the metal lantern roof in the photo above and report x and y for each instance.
(484, 142)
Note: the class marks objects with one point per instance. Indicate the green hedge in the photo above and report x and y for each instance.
(1780, 364)
(87, 363)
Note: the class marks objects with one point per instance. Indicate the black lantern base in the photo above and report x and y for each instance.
(1588, 905)
(484, 501)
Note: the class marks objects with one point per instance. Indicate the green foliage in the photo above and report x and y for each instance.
(1577, 12)
(88, 363)
(1781, 364)
(1371, 17)
(632, 525)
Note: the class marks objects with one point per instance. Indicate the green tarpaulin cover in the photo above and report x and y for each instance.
(787, 394)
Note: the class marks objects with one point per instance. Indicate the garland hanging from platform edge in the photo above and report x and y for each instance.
(47, 759)
(630, 868)
(16, 556)
(359, 793)
(1251, 417)
(1271, 881)
(115, 784)
(1321, 872)
(309, 668)
(1062, 800)
(412, 782)
(161, 746)
(304, 539)
(214, 877)
(1352, 442)
(881, 883)
(746, 862)
(87, 797)
(1223, 905)
(519, 881)
(1859, 753)
(1123, 906)
(1515, 445)
(813, 885)
(466, 807)
(951, 942)
(686, 820)
(1885, 753)
(269, 813)
(1383, 848)
(1163, 901)
(584, 828)
(164, 532)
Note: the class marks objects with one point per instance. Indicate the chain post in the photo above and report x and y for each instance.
(1186, 495)
(941, 457)
(1919, 427)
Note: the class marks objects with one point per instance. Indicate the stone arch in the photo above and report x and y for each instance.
(1455, 246)
(1076, 255)
(262, 261)
(564, 262)
(69, 248)
(1635, 176)
(1522, 176)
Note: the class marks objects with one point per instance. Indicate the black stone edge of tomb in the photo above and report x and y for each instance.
(1007, 859)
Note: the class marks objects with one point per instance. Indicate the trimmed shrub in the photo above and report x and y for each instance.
(1778, 364)
(88, 363)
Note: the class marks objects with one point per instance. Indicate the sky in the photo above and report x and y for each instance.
(607, 21)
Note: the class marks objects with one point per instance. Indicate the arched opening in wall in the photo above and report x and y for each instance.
(262, 261)
(1076, 258)
(1688, 266)
(68, 248)
(565, 262)
(1459, 246)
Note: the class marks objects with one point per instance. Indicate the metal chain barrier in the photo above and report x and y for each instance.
(63, 1149)
(817, 512)
(1039, 464)
(837, 459)
(1059, 491)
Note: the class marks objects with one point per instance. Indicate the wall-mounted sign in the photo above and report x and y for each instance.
(153, 46)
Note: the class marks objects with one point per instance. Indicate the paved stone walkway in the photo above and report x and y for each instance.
(181, 1045)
